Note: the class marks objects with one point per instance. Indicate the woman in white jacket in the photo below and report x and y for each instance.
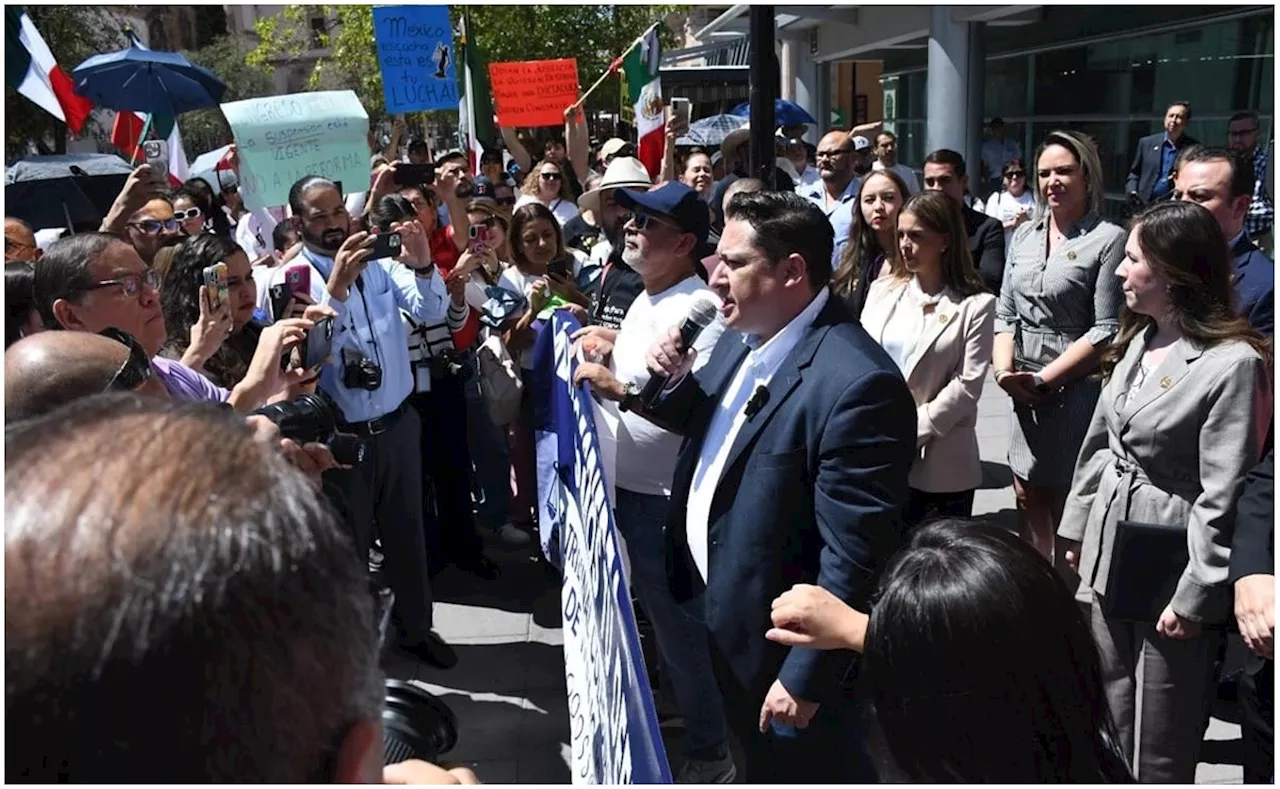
(937, 321)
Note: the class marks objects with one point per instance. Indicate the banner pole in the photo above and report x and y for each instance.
(146, 127)
(613, 67)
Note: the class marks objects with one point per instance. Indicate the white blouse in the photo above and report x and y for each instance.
(905, 325)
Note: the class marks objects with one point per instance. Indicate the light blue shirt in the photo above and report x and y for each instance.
(369, 322)
(840, 214)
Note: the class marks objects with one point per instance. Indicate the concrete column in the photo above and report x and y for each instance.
(976, 102)
(947, 82)
(807, 89)
(788, 62)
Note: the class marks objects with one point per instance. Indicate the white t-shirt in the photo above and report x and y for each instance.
(647, 453)
(564, 210)
(904, 172)
(1005, 207)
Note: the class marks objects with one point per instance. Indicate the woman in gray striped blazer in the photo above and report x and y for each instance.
(1057, 312)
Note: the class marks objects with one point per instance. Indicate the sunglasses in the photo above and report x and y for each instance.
(489, 222)
(551, 176)
(153, 226)
(131, 284)
(136, 369)
(645, 221)
(1015, 174)
(191, 213)
(506, 200)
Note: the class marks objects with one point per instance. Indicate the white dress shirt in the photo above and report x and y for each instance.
(755, 371)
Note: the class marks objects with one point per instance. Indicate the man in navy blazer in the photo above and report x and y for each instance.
(799, 433)
(1222, 181)
(1152, 169)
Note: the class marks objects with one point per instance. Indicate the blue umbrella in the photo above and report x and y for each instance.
(785, 113)
(145, 80)
(710, 131)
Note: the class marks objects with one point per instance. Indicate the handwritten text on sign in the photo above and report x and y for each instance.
(534, 92)
(416, 55)
(283, 138)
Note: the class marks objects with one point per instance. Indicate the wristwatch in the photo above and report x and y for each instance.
(1039, 383)
(630, 396)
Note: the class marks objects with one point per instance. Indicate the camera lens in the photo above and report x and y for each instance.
(416, 725)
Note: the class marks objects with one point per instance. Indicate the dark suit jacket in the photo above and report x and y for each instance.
(1145, 170)
(1253, 545)
(810, 493)
(1255, 281)
(986, 243)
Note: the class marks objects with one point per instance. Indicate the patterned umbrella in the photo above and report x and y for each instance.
(711, 131)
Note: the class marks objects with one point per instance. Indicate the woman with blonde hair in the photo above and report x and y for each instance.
(936, 319)
(546, 185)
(1058, 310)
(1181, 419)
(872, 249)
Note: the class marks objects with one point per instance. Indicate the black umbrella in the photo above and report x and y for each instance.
(73, 190)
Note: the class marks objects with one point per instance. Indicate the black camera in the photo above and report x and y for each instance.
(314, 418)
(451, 363)
(359, 371)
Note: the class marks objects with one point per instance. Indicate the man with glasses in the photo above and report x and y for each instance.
(19, 241)
(143, 215)
(619, 283)
(840, 157)
(1243, 134)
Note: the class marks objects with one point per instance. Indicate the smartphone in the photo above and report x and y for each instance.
(479, 239)
(559, 267)
(681, 110)
(408, 174)
(319, 344)
(385, 245)
(156, 153)
(215, 279)
(298, 278)
(280, 298)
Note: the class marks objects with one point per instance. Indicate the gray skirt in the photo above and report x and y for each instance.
(1045, 440)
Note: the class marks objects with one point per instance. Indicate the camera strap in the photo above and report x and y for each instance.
(368, 319)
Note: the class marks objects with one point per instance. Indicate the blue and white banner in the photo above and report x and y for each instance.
(613, 726)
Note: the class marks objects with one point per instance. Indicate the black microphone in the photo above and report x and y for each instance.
(700, 317)
(759, 399)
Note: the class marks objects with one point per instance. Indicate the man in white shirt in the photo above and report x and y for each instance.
(667, 229)
(887, 159)
(799, 433)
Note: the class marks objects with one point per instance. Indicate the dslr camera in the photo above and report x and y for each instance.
(313, 418)
(451, 363)
(359, 371)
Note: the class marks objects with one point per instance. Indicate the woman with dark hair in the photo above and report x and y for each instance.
(20, 314)
(1058, 309)
(976, 661)
(872, 248)
(218, 340)
(202, 196)
(1182, 417)
(935, 318)
(1015, 201)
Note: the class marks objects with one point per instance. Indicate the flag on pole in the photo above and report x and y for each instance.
(126, 134)
(30, 69)
(477, 103)
(644, 88)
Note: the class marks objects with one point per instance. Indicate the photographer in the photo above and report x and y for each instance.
(369, 378)
(205, 637)
(143, 215)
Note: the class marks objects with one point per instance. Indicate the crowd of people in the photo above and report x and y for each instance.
(795, 503)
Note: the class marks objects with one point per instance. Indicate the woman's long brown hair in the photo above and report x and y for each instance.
(942, 215)
(1184, 244)
(863, 243)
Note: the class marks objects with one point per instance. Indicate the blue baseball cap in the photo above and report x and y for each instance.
(673, 200)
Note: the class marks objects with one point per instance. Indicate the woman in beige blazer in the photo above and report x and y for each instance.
(935, 318)
(1182, 416)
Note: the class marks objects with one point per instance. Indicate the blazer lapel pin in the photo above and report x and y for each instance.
(1166, 382)
(1071, 254)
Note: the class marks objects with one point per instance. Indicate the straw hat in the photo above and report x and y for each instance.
(734, 141)
(623, 172)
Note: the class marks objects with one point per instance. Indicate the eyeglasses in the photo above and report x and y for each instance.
(832, 154)
(131, 284)
(551, 176)
(191, 213)
(136, 369)
(507, 200)
(154, 226)
(1015, 174)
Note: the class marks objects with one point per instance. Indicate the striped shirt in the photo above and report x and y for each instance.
(1261, 211)
(429, 341)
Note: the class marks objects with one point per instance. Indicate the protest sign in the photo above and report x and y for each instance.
(613, 728)
(280, 139)
(416, 55)
(534, 92)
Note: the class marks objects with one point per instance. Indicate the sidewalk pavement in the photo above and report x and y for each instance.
(508, 689)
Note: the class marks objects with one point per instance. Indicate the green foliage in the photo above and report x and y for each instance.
(204, 130)
(74, 33)
(592, 34)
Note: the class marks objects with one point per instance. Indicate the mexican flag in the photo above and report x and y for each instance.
(126, 134)
(640, 67)
(30, 69)
(476, 107)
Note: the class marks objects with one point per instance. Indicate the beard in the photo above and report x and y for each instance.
(615, 235)
(328, 241)
(632, 257)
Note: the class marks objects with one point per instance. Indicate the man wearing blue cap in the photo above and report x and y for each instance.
(662, 242)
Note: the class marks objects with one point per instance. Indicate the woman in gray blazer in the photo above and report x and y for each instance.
(1057, 312)
(1181, 419)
